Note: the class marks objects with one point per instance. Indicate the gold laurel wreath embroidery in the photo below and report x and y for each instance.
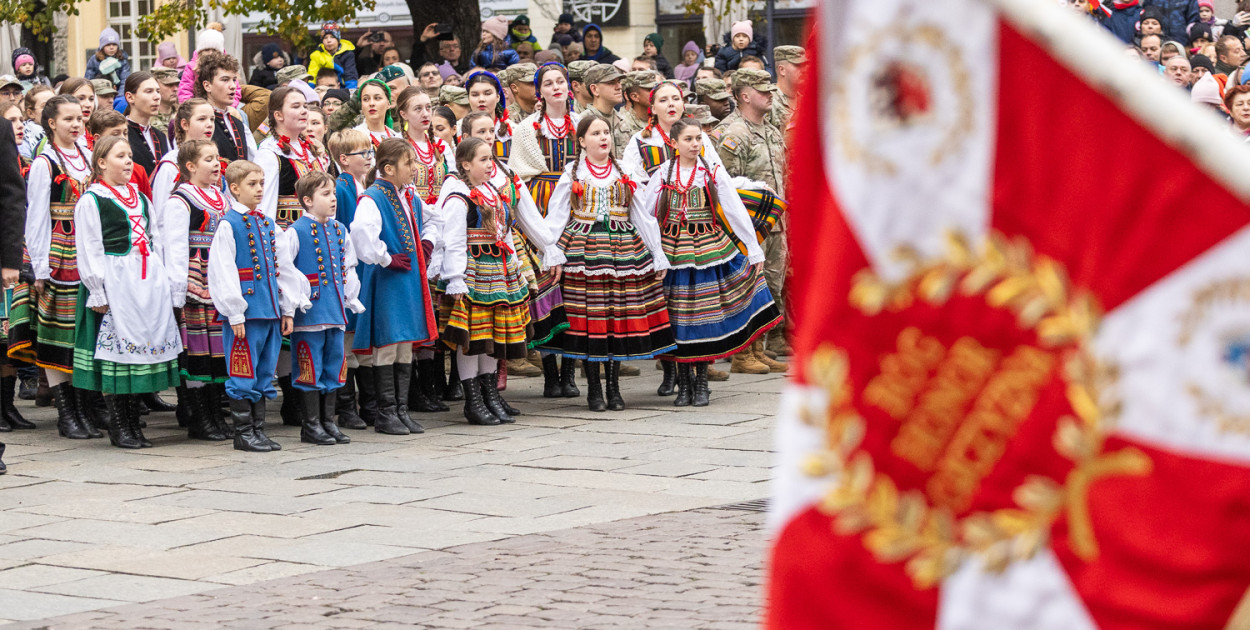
(901, 525)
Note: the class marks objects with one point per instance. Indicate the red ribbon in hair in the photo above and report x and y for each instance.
(633, 186)
(73, 184)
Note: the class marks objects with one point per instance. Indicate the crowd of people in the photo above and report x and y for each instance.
(380, 241)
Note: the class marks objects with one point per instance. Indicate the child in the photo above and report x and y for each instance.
(10, 417)
(334, 53)
(208, 42)
(393, 234)
(189, 220)
(612, 278)
(32, 105)
(108, 122)
(244, 289)
(373, 100)
(127, 339)
(352, 154)
(323, 256)
(110, 46)
(717, 298)
(286, 155)
(217, 81)
(192, 121)
(27, 71)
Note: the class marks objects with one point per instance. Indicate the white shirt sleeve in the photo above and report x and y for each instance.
(39, 218)
(268, 161)
(248, 135)
(631, 161)
(535, 227)
(175, 232)
(366, 231)
(651, 193)
(89, 240)
(559, 209)
(648, 229)
(455, 240)
(162, 187)
(293, 286)
(736, 214)
(223, 276)
(351, 286)
(431, 223)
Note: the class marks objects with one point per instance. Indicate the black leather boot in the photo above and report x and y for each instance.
(85, 410)
(119, 425)
(67, 422)
(388, 421)
(155, 404)
(489, 384)
(215, 399)
(431, 373)
(594, 388)
(684, 382)
(345, 402)
(455, 387)
(245, 438)
(311, 430)
(186, 409)
(3, 468)
(418, 400)
(669, 384)
(200, 422)
(568, 378)
(327, 419)
(403, 388)
(700, 396)
(475, 410)
(367, 386)
(11, 416)
(615, 402)
(136, 424)
(258, 425)
(551, 377)
(290, 412)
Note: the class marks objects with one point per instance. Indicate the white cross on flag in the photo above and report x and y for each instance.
(1021, 289)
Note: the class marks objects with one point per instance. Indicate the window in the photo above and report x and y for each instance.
(124, 18)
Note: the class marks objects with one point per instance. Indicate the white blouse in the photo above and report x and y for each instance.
(175, 234)
(267, 155)
(366, 228)
(387, 132)
(223, 275)
(163, 186)
(631, 161)
(38, 230)
(351, 287)
(456, 237)
(560, 208)
(731, 203)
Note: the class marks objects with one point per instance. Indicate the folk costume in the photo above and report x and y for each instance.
(645, 153)
(614, 302)
(246, 265)
(284, 160)
(347, 190)
(147, 144)
(504, 129)
(325, 270)
(42, 328)
(717, 301)
(232, 136)
(399, 313)
(191, 218)
(377, 137)
(133, 348)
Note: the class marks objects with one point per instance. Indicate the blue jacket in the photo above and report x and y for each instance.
(1121, 22)
(93, 68)
(489, 58)
(1177, 16)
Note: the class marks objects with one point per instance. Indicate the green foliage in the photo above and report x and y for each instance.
(35, 15)
(295, 21)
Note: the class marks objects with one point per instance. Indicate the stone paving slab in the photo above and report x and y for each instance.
(694, 570)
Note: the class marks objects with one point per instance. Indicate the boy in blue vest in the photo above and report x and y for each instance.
(352, 151)
(325, 266)
(251, 292)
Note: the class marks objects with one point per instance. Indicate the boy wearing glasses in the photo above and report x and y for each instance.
(352, 152)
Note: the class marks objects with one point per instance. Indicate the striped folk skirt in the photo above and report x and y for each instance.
(614, 303)
(202, 358)
(42, 331)
(494, 317)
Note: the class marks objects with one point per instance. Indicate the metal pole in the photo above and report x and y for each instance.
(772, 34)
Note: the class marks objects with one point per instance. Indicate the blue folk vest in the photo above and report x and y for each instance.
(322, 259)
(256, 258)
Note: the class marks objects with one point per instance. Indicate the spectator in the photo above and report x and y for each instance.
(1229, 53)
(1201, 66)
(328, 77)
(1199, 36)
(28, 72)
(751, 62)
(592, 45)
(439, 49)
(1237, 102)
(266, 64)
(652, 45)
(1151, 47)
(334, 99)
(211, 40)
(106, 95)
(1171, 49)
(336, 54)
(1151, 22)
(32, 110)
(525, 52)
(371, 51)
(493, 52)
(10, 89)
(1177, 71)
(167, 56)
(691, 59)
(564, 26)
(1174, 16)
(519, 31)
(110, 47)
(573, 52)
(742, 42)
(642, 63)
(1121, 19)
(1207, 92)
(429, 76)
(714, 94)
(548, 56)
(390, 57)
(708, 73)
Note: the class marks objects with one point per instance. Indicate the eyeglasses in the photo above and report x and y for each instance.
(367, 153)
(430, 73)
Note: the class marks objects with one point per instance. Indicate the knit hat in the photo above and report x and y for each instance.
(339, 93)
(655, 38)
(1151, 13)
(548, 56)
(109, 36)
(521, 20)
(1202, 61)
(445, 70)
(496, 26)
(1206, 3)
(310, 95)
(1206, 91)
(562, 40)
(1200, 30)
(210, 39)
(21, 60)
(269, 51)
(565, 18)
(331, 28)
(390, 73)
(167, 50)
(690, 47)
(743, 27)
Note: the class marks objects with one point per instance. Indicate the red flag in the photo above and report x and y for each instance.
(1021, 291)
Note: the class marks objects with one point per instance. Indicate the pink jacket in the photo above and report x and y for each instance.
(186, 86)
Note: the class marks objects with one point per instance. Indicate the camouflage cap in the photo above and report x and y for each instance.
(453, 94)
(291, 73)
(577, 69)
(757, 79)
(646, 79)
(521, 73)
(701, 113)
(712, 88)
(104, 87)
(166, 76)
(602, 73)
(792, 54)
(504, 75)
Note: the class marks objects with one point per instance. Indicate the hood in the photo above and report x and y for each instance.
(18, 53)
(258, 58)
(590, 27)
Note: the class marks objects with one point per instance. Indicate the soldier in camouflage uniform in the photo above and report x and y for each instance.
(789, 60)
(604, 83)
(520, 77)
(577, 83)
(751, 147)
(714, 94)
(168, 78)
(636, 87)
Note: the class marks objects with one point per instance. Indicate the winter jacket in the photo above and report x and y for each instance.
(514, 39)
(33, 79)
(728, 59)
(186, 85)
(604, 54)
(93, 67)
(1177, 15)
(343, 61)
(489, 58)
(574, 33)
(263, 75)
(663, 66)
(1121, 22)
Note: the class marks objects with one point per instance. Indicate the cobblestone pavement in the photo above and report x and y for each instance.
(84, 526)
(698, 569)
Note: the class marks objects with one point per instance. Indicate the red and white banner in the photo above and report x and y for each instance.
(1021, 291)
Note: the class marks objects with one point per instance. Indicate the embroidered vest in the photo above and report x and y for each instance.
(228, 147)
(256, 258)
(202, 224)
(322, 259)
(398, 232)
(63, 195)
(289, 172)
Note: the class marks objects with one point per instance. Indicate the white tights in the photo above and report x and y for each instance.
(475, 365)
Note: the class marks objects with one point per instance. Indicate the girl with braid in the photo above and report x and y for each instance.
(486, 95)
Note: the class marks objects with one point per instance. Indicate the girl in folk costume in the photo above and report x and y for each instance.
(193, 120)
(10, 417)
(485, 315)
(717, 297)
(375, 104)
(544, 146)
(435, 161)
(486, 95)
(190, 219)
(84, 94)
(652, 146)
(285, 156)
(393, 234)
(128, 342)
(42, 319)
(612, 277)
